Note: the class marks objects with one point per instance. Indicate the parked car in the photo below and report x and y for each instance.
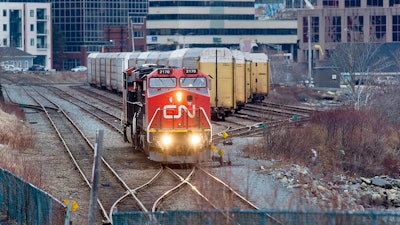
(79, 69)
(36, 67)
(12, 68)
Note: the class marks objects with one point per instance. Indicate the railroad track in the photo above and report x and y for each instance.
(81, 152)
(298, 109)
(276, 110)
(114, 101)
(265, 115)
(196, 188)
(102, 114)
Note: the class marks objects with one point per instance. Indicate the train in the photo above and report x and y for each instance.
(166, 113)
(235, 77)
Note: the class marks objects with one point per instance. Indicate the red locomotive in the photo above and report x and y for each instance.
(168, 112)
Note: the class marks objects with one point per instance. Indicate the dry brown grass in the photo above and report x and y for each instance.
(71, 76)
(14, 132)
(16, 138)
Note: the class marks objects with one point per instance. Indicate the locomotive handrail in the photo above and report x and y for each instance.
(159, 109)
(151, 121)
(208, 121)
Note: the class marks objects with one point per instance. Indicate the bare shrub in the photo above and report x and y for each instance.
(348, 141)
(391, 165)
(277, 145)
(356, 138)
(386, 102)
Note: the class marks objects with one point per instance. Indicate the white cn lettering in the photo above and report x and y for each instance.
(180, 109)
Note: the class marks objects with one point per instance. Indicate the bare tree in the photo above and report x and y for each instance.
(285, 71)
(356, 63)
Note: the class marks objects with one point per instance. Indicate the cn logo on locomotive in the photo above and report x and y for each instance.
(170, 108)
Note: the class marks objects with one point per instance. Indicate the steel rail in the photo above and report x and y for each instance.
(66, 146)
(237, 194)
(167, 193)
(193, 188)
(92, 113)
(125, 186)
(135, 191)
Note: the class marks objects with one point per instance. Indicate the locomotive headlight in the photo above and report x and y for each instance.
(195, 139)
(166, 140)
(179, 96)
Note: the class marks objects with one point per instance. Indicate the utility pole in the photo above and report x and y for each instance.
(310, 6)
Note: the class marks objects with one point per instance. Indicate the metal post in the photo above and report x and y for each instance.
(68, 215)
(132, 33)
(309, 49)
(95, 177)
(216, 78)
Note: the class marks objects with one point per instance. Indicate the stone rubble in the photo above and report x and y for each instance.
(341, 192)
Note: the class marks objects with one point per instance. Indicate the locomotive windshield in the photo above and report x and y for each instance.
(193, 82)
(158, 82)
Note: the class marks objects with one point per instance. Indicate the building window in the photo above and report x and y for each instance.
(352, 3)
(396, 29)
(378, 28)
(333, 29)
(71, 63)
(31, 13)
(330, 3)
(138, 20)
(355, 29)
(395, 3)
(4, 41)
(375, 3)
(32, 27)
(4, 27)
(4, 12)
(32, 42)
(138, 34)
(314, 29)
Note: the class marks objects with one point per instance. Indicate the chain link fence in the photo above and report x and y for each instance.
(259, 217)
(24, 203)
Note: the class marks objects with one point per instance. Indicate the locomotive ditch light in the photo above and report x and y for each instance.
(195, 139)
(166, 140)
